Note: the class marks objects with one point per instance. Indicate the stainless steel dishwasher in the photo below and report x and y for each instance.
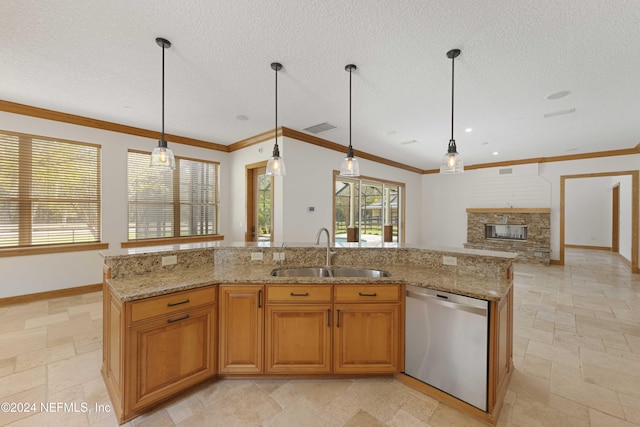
(446, 343)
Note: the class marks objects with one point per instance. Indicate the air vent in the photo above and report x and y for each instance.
(321, 128)
(506, 171)
(560, 113)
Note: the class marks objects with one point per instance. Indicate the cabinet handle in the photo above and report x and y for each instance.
(306, 294)
(260, 298)
(328, 318)
(338, 322)
(173, 304)
(186, 316)
(367, 295)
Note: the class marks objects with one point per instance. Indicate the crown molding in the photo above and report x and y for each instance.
(42, 113)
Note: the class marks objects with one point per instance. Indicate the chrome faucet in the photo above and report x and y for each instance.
(329, 252)
(281, 254)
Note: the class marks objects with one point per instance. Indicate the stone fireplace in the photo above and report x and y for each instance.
(525, 231)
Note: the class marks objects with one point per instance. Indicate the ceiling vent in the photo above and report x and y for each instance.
(321, 128)
(560, 113)
(506, 171)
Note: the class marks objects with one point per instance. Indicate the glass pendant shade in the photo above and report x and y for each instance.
(350, 166)
(161, 156)
(275, 164)
(452, 162)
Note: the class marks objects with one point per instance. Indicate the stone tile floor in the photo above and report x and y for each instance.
(576, 353)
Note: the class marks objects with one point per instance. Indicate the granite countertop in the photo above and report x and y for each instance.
(144, 286)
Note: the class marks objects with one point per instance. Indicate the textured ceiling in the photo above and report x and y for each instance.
(99, 59)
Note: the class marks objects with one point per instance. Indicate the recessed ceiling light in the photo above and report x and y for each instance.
(559, 95)
(495, 153)
(242, 117)
(467, 130)
(411, 141)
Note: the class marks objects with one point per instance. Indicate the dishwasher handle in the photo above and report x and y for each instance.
(445, 303)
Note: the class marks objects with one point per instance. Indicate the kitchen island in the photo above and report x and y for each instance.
(218, 312)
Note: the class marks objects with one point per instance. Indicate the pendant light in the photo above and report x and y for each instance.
(350, 166)
(275, 165)
(452, 162)
(162, 156)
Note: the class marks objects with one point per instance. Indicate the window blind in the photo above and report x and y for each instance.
(166, 203)
(49, 191)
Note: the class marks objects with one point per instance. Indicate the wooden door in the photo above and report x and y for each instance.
(169, 354)
(259, 203)
(298, 338)
(615, 219)
(367, 338)
(241, 329)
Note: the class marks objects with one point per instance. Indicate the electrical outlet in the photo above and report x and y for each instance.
(449, 260)
(278, 256)
(169, 260)
(257, 256)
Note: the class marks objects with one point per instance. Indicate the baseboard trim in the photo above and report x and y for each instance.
(595, 248)
(58, 293)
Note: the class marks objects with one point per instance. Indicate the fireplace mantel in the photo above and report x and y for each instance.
(508, 210)
(533, 245)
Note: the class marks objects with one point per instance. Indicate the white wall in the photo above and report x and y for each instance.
(39, 273)
(587, 214)
(309, 182)
(445, 199)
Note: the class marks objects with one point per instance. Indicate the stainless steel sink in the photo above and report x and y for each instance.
(329, 272)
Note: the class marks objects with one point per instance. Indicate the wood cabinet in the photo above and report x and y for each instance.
(369, 329)
(311, 329)
(298, 329)
(241, 329)
(500, 349)
(157, 347)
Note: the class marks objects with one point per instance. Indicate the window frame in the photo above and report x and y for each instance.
(176, 205)
(25, 220)
(368, 179)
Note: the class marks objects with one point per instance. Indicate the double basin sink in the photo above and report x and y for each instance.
(329, 272)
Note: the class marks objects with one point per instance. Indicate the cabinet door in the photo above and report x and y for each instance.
(367, 338)
(501, 348)
(169, 354)
(241, 329)
(298, 339)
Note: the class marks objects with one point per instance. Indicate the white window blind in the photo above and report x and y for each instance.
(166, 203)
(49, 191)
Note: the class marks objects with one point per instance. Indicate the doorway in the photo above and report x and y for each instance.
(259, 203)
(634, 212)
(615, 219)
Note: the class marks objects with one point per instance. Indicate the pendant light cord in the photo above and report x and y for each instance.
(350, 109)
(453, 61)
(162, 141)
(276, 126)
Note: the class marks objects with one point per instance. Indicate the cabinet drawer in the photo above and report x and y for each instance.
(367, 293)
(167, 304)
(299, 293)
